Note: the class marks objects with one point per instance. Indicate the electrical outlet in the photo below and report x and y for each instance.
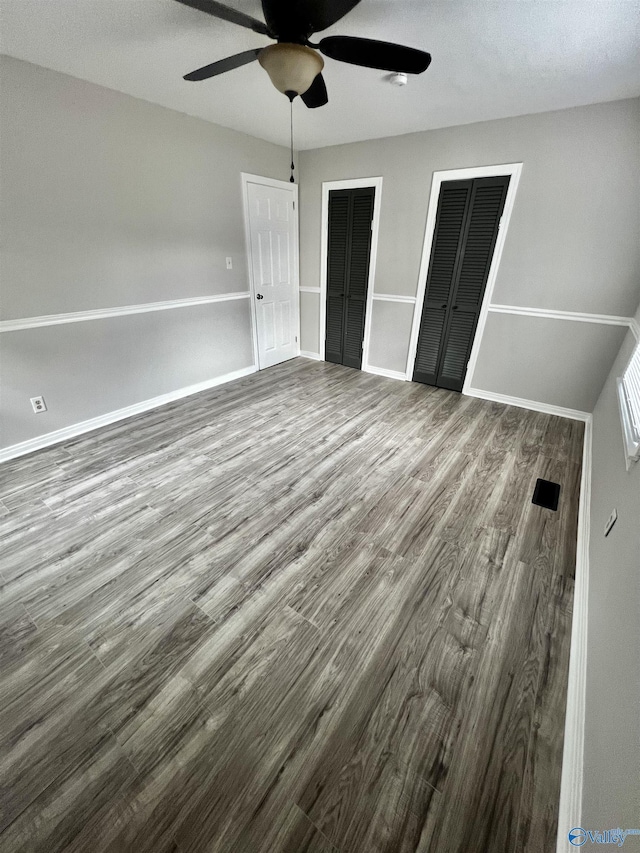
(38, 404)
(610, 522)
(229, 264)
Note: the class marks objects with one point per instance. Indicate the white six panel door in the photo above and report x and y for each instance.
(272, 233)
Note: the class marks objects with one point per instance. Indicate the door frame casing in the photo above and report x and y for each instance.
(246, 179)
(351, 184)
(513, 170)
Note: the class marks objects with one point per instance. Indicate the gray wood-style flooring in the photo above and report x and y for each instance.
(312, 610)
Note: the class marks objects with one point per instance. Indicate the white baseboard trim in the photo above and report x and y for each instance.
(50, 438)
(635, 328)
(534, 405)
(314, 355)
(382, 371)
(570, 813)
(304, 289)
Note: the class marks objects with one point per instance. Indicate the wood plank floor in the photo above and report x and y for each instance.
(312, 610)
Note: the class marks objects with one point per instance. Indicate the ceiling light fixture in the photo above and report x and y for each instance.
(291, 67)
(294, 66)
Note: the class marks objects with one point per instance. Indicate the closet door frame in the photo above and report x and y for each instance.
(513, 171)
(352, 184)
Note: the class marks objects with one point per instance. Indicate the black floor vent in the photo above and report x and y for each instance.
(546, 494)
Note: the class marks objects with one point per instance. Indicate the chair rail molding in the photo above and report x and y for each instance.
(119, 311)
(553, 314)
(394, 297)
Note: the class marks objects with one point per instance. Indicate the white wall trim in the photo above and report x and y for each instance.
(352, 184)
(394, 297)
(121, 311)
(552, 314)
(248, 178)
(309, 289)
(514, 170)
(534, 405)
(245, 180)
(570, 813)
(635, 328)
(74, 430)
(313, 355)
(382, 371)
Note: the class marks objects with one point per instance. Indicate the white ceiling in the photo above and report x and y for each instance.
(491, 59)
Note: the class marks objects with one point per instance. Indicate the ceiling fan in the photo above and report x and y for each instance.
(293, 64)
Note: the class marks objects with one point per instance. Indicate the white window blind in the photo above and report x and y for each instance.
(629, 395)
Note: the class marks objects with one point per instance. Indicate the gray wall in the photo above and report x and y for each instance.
(108, 201)
(563, 363)
(572, 243)
(390, 331)
(310, 321)
(611, 795)
(90, 368)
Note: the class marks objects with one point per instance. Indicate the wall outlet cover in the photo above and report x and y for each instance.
(38, 404)
(229, 263)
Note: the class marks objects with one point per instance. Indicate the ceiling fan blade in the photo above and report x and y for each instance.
(316, 94)
(375, 54)
(218, 10)
(324, 13)
(223, 65)
(300, 19)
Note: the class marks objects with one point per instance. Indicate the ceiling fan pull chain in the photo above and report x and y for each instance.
(291, 179)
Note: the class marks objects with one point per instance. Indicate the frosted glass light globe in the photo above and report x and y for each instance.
(291, 67)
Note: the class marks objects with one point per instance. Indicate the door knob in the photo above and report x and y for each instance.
(259, 296)
(455, 307)
(444, 306)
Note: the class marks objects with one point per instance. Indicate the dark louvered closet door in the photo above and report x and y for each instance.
(349, 248)
(465, 234)
(338, 233)
(447, 239)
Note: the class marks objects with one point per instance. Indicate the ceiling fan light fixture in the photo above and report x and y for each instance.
(291, 67)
